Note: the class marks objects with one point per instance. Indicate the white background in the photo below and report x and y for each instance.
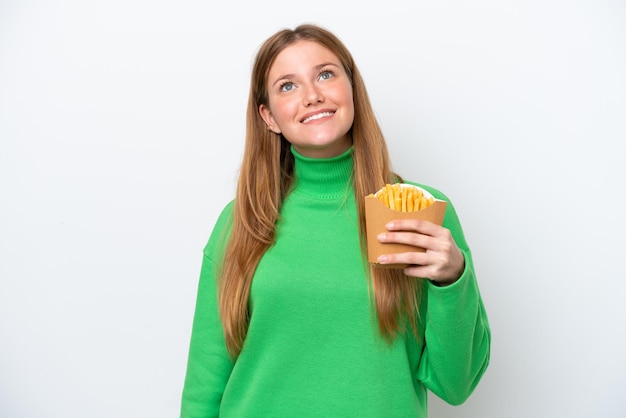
(121, 131)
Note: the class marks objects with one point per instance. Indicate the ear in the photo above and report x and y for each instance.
(266, 115)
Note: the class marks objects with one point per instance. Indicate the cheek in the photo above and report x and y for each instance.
(349, 102)
(284, 110)
(344, 95)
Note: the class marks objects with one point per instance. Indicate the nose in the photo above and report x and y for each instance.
(312, 94)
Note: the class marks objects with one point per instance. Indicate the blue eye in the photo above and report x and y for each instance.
(325, 75)
(287, 86)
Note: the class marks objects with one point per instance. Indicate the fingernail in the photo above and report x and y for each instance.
(382, 259)
(389, 225)
(381, 237)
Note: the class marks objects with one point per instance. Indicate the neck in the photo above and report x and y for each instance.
(323, 177)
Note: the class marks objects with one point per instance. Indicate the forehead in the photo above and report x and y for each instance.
(302, 56)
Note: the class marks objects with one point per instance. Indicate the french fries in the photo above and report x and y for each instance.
(403, 197)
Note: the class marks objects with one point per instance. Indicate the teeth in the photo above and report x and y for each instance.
(318, 116)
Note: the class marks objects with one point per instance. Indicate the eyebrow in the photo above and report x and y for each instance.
(317, 68)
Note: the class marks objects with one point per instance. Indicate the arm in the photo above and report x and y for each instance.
(457, 338)
(208, 365)
(453, 319)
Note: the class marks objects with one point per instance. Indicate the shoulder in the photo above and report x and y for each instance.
(221, 231)
(226, 214)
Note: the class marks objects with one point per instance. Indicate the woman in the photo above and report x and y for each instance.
(291, 320)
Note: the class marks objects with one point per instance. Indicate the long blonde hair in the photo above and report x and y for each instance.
(265, 178)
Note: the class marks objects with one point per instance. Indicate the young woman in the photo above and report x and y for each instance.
(291, 320)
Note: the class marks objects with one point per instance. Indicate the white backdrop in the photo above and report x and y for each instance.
(121, 131)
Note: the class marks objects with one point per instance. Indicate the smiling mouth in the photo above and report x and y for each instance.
(318, 116)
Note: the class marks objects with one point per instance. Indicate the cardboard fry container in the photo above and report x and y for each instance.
(377, 214)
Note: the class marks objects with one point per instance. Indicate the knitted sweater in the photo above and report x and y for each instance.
(313, 348)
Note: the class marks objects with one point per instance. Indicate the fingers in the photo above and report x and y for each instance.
(441, 261)
(409, 238)
(416, 225)
(417, 233)
(419, 264)
(411, 258)
(438, 267)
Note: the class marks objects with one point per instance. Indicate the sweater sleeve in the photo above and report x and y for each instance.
(208, 364)
(456, 330)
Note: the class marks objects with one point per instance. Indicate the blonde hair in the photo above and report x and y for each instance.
(265, 178)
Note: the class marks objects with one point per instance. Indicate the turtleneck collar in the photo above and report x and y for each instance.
(324, 178)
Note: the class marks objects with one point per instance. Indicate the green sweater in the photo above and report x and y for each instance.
(313, 347)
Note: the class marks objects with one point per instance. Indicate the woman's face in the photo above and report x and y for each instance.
(310, 100)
